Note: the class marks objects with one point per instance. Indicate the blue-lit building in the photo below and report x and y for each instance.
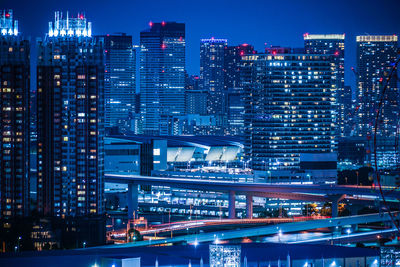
(14, 119)
(234, 87)
(162, 75)
(212, 52)
(70, 120)
(289, 111)
(376, 55)
(119, 80)
(333, 44)
(195, 98)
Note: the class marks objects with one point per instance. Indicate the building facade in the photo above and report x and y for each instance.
(234, 88)
(212, 53)
(162, 75)
(376, 55)
(119, 80)
(289, 108)
(14, 119)
(70, 117)
(195, 98)
(333, 44)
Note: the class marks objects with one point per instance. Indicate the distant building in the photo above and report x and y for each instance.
(234, 87)
(119, 80)
(212, 53)
(70, 95)
(162, 76)
(232, 65)
(376, 55)
(14, 119)
(235, 113)
(333, 44)
(353, 152)
(195, 99)
(289, 109)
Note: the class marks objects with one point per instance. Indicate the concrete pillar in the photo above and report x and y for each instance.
(335, 202)
(249, 206)
(133, 196)
(231, 205)
(335, 210)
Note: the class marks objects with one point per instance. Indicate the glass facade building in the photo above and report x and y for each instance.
(119, 80)
(70, 118)
(212, 53)
(162, 75)
(289, 108)
(14, 119)
(234, 88)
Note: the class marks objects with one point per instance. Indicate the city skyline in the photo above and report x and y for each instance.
(242, 24)
(117, 136)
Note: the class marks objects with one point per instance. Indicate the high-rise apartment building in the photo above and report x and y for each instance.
(70, 118)
(14, 119)
(375, 57)
(119, 80)
(333, 44)
(289, 108)
(212, 53)
(162, 75)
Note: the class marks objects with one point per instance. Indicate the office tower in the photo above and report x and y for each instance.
(376, 55)
(195, 98)
(212, 52)
(162, 75)
(119, 80)
(289, 101)
(14, 119)
(347, 98)
(232, 64)
(70, 103)
(332, 44)
(234, 88)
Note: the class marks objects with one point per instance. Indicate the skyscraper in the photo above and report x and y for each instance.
(14, 119)
(233, 87)
(212, 53)
(333, 44)
(232, 65)
(119, 80)
(162, 75)
(288, 108)
(376, 55)
(70, 93)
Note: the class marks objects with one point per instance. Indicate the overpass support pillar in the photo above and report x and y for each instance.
(249, 206)
(133, 204)
(335, 204)
(231, 205)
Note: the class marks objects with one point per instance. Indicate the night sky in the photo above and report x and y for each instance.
(255, 22)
